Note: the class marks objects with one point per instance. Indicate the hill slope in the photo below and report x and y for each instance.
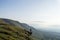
(10, 31)
(35, 34)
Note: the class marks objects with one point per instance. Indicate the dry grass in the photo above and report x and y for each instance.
(10, 32)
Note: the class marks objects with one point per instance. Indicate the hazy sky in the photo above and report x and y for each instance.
(46, 11)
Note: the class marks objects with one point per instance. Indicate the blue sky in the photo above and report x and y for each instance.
(47, 11)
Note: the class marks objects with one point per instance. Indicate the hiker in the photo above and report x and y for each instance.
(30, 31)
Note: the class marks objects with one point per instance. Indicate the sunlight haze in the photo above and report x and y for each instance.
(27, 11)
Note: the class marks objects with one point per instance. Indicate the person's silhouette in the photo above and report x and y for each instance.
(30, 31)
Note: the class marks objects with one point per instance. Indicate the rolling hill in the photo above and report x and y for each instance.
(11, 31)
(36, 35)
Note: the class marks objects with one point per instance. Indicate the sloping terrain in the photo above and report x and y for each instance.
(14, 30)
(35, 34)
(10, 31)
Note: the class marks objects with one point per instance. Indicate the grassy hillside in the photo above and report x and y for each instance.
(10, 32)
(14, 30)
(35, 33)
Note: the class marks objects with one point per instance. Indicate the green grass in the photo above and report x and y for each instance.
(10, 32)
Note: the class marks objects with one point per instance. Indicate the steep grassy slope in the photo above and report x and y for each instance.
(19, 31)
(35, 33)
(11, 32)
